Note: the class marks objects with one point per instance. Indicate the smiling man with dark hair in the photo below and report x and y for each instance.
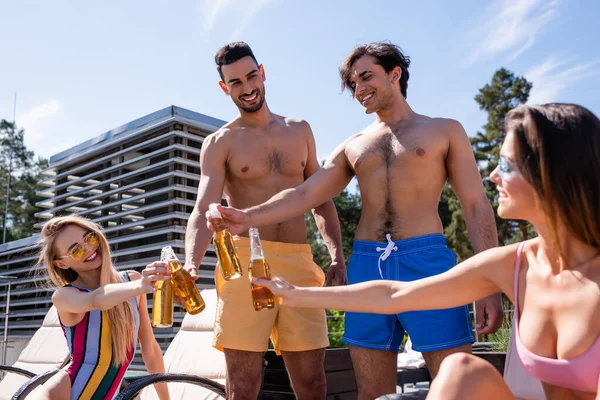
(250, 159)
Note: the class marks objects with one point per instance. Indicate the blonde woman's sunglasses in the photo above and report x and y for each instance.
(78, 252)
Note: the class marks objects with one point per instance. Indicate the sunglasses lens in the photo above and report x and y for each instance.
(78, 252)
(92, 239)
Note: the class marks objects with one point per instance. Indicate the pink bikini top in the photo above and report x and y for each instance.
(579, 373)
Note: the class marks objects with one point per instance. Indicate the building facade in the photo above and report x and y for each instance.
(139, 181)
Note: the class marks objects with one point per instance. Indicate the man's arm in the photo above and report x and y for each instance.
(326, 183)
(479, 216)
(213, 157)
(327, 220)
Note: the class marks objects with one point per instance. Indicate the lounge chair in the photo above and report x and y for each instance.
(45, 353)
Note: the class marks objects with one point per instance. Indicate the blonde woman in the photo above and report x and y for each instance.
(102, 311)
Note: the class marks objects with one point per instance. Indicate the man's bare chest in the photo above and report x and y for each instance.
(261, 157)
(394, 152)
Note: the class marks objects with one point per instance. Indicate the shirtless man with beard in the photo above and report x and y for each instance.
(249, 159)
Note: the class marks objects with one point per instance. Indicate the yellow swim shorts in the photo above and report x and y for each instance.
(238, 326)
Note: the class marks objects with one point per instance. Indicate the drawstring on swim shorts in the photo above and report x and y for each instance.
(387, 250)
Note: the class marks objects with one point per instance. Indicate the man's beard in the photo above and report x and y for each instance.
(251, 109)
(385, 99)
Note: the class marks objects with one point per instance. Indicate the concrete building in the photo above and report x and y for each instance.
(139, 181)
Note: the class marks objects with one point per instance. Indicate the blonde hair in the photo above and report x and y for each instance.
(122, 325)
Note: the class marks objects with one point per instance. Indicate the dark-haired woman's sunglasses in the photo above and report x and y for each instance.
(506, 167)
(78, 252)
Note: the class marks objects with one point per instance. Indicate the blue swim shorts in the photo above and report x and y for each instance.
(407, 260)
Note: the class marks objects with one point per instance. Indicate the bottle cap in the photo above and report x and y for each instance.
(214, 211)
(167, 253)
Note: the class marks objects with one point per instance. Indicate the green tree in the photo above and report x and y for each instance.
(348, 206)
(497, 98)
(19, 168)
(24, 219)
(335, 327)
(455, 226)
(505, 92)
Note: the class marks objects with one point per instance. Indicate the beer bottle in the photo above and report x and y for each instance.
(162, 304)
(223, 242)
(183, 285)
(262, 298)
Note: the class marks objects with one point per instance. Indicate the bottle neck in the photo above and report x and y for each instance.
(218, 224)
(174, 265)
(256, 250)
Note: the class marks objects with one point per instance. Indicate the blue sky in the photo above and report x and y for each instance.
(80, 70)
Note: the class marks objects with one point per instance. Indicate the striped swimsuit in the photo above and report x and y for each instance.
(93, 377)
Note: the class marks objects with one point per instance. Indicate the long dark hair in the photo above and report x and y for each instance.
(557, 148)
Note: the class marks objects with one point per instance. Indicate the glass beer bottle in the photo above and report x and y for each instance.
(183, 285)
(262, 298)
(162, 304)
(224, 247)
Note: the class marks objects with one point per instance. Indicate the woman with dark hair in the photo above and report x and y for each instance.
(549, 175)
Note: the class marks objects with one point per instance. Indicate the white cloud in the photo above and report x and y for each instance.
(48, 130)
(37, 120)
(39, 114)
(553, 76)
(240, 11)
(252, 7)
(209, 12)
(510, 27)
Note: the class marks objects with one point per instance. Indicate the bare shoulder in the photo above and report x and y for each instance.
(222, 138)
(349, 146)
(450, 127)
(64, 291)
(353, 139)
(294, 122)
(61, 299)
(498, 263)
(134, 275)
(65, 295)
(500, 254)
(222, 135)
(297, 125)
